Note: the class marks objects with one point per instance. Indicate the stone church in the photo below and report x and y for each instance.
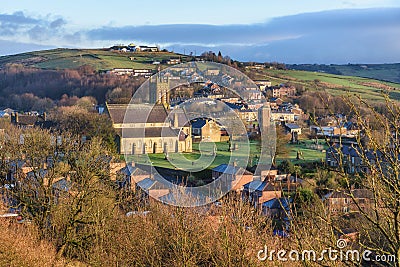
(149, 128)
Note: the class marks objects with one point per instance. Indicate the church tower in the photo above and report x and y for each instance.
(159, 91)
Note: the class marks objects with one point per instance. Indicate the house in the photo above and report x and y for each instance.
(235, 106)
(252, 94)
(206, 130)
(173, 61)
(277, 207)
(275, 102)
(62, 188)
(282, 116)
(293, 128)
(152, 188)
(129, 176)
(211, 72)
(145, 48)
(263, 84)
(347, 201)
(257, 192)
(348, 156)
(147, 128)
(146, 73)
(4, 114)
(255, 67)
(328, 131)
(247, 115)
(287, 183)
(355, 160)
(121, 71)
(31, 120)
(299, 113)
(233, 176)
(267, 172)
(283, 91)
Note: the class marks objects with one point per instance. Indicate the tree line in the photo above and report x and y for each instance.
(25, 88)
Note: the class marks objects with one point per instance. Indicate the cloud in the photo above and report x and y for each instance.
(19, 27)
(190, 34)
(17, 18)
(338, 36)
(57, 23)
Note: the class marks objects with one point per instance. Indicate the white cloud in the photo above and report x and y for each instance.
(339, 36)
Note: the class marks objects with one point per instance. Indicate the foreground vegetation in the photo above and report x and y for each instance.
(83, 221)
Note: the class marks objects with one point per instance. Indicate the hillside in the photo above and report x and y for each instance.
(384, 72)
(99, 59)
(316, 79)
(334, 84)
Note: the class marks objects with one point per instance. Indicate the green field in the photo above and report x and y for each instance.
(223, 155)
(308, 153)
(99, 59)
(334, 84)
(102, 59)
(383, 72)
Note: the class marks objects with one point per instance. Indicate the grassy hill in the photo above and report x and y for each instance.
(384, 72)
(99, 59)
(334, 84)
(316, 78)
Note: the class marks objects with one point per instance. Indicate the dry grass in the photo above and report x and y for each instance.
(20, 246)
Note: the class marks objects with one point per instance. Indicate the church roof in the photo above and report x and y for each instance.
(150, 132)
(137, 113)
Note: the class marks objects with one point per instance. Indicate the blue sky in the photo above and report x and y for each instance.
(291, 31)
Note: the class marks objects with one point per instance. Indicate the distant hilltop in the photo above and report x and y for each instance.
(118, 56)
(383, 72)
(134, 56)
(135, 48)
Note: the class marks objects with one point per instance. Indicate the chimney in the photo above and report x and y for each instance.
(44, 116)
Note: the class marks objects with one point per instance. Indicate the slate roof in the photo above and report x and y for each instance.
(346, 150)
(146, 184)
(234, 106)
(198, 124)
(273, 99)
(278, 203)
(258, 185)
(253, 185)
(358, 193)
(63, 185)
(137, 113)
(130, 170)
(149, 132)
(183, 120)
(230, 169)
(292, 126)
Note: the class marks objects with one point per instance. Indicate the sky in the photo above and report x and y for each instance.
(289, 31)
